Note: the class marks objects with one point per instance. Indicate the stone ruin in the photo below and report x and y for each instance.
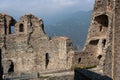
(102, 47)
(29, 49)
(25, 47)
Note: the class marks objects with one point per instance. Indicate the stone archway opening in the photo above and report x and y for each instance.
(11, 68)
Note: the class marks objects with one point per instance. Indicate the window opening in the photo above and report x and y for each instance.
(11, 29)
(104, 42)
(94, 42)
(79, 60)
(99, 57)
(102, 20)
(47, 57)
(21, 28)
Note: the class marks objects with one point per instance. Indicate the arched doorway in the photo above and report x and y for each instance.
(9, 66)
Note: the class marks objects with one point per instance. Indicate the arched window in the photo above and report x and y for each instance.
(21, 28)
(11, 29)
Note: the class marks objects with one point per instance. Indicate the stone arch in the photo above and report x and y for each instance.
(11, 27)
(21, 28)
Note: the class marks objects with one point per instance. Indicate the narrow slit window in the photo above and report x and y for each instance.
(21, 28)
(47, 57)
(104, 42)
(79, 60)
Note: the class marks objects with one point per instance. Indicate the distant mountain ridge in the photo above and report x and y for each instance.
(75, 26)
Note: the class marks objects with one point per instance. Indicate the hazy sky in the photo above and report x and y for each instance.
(44, 7)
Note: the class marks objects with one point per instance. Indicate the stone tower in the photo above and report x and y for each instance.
(103, 37)
(100, 36)
(116, 40)
(5, 28)
(102, 46)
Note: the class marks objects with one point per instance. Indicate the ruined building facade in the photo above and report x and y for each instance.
(102, 48)
(28, 49)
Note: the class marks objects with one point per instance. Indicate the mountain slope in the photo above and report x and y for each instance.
(75, 27)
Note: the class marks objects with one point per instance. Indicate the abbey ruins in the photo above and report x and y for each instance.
(103, 44)
(28, 49)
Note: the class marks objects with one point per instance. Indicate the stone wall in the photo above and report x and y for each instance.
(81, 74)
(98, 48)
(116, 41)
(83, 60)
(28, 49)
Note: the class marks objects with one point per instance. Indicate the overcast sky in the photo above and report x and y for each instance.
(44, 7)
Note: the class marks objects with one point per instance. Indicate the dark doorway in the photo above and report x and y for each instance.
(11, 67)
(1, 69)
(47, 57)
